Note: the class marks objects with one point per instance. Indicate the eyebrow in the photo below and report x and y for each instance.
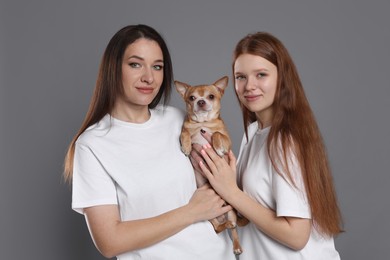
(256, 70)
(140, 58)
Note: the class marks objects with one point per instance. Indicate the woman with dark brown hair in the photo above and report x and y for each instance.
(287, 191)
(129, 177)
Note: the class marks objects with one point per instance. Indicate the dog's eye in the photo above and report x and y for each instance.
(211, 97)
(192, 98)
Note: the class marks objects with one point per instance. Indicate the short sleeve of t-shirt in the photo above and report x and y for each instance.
(291, 199)
(91, 185)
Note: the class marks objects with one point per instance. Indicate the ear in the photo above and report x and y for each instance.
(181, 87)
(222, 83)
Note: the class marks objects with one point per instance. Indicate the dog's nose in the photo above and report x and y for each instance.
(201, 103)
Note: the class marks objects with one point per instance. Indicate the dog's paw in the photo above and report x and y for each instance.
(230, 224)
(220, 144)
(237, 251)
(220, 151)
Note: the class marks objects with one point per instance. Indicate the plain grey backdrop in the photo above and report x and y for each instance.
(49, 57)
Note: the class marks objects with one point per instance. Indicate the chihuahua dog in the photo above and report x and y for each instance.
(203, 104)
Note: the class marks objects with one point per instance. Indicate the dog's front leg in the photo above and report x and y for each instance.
(221, 143)
(185, 141)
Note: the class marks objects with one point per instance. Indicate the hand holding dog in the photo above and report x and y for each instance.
(195, 155)
(206, 204)
(220, 172)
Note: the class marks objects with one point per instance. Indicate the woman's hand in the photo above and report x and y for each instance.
(205, 204)
(221, 173)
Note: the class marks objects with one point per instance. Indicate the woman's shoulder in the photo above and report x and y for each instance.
(98, 129)
(169, 112)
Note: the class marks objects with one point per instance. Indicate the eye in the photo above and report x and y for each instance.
(261, 75)
(211, 96)
(158, 67)
(192, 98)
(137, 65)
(134, 65)
(240, 77)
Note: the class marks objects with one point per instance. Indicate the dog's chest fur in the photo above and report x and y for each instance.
(195, 128)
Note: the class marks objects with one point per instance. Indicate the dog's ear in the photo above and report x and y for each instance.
(181, 87)
(222, 83)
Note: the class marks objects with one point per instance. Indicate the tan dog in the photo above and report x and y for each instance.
(203, 104)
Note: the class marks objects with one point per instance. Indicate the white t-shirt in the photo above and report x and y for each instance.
(261, 182)
(141, 168)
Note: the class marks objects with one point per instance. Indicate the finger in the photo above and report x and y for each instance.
(232, 159)
(195, 156)
(207, 159)
(226, 157)
(197, 147)
(205, 171)
(226, 208)
(211, 152)
(218, 162)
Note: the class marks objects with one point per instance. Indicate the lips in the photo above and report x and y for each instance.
(251, 98)
(145, 90)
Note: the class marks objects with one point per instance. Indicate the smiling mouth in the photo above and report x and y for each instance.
(252, 97)
(145, 90)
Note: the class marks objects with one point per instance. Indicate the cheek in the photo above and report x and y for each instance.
(239, 88)
(159, 77)
(127, 78)
(270, 87)
(240, 93)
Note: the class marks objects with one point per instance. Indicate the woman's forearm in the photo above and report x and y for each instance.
(113, 236)
(290, 231)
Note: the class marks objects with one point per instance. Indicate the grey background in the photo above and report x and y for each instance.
(49, 57)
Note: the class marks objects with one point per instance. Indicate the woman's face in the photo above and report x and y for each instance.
(255, 84)
(142, 72)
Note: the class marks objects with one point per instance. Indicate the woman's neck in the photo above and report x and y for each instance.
(134, 114)
(263, 125)
(264, 119)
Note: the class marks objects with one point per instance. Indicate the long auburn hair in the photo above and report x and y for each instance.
(109, 81)
(294, 128)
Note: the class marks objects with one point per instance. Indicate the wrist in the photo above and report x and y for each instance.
(188, 215)
(233, 195)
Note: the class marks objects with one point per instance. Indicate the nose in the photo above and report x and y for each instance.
(250, 84)
(147, 76)
(201, 103)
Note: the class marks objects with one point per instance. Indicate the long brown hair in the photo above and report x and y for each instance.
(294, 128)
(109, 81)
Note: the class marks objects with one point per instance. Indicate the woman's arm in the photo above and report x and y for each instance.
(113, 236)
(290, 231)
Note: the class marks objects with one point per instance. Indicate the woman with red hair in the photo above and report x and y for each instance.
(285, 186)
